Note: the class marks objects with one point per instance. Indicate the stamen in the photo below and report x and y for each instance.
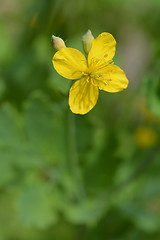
(98, 63)
(88, 80)
(84, 73)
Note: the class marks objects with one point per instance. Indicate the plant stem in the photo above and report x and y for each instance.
(73, 156)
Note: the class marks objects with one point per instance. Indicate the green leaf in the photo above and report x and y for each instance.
(36, 204)
(45, 128)
(86, 212)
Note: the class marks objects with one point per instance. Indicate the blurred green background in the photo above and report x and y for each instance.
(71, 177)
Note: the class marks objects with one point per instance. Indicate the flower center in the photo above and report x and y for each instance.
(93, 75)
(96, 79)
(96, 75)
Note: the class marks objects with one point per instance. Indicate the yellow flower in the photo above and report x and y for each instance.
(145, 137)
(99, 72)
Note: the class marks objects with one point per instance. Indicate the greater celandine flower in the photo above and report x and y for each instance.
(95, 72)
(145, 137)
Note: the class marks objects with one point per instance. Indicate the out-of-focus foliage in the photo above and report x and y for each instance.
(66, 176)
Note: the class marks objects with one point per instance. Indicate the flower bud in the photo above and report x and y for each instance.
(57, 43)
(87, 41)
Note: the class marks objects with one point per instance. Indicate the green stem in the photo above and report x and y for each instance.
(73, 156)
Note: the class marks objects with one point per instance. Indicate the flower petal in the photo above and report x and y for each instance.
(103, 46)
(112, 79)
(83, 96)
(70, 63)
